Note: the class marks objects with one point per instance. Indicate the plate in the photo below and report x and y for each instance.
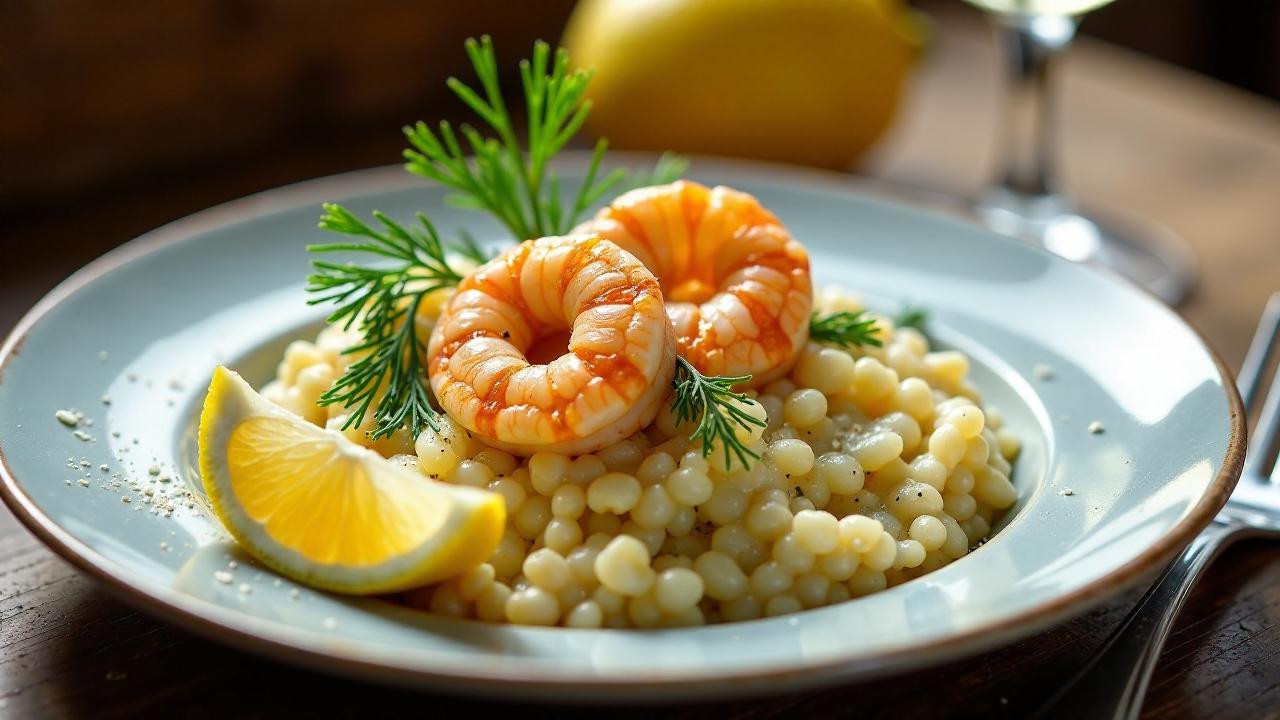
(130, 340)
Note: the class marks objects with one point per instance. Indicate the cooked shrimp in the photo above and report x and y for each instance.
(737, 284)
(559, 344)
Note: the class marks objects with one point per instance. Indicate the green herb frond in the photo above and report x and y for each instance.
(468, 247)
(514, 184)
(669, 168)
(912, 316)
(846, 329)
(487, 171)
(717, 408)
(381, 301)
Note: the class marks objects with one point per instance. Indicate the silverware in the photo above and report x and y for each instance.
(1115, 681)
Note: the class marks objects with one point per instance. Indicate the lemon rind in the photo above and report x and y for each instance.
(470, 533)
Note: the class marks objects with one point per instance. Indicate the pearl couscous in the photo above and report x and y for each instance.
(877, 466)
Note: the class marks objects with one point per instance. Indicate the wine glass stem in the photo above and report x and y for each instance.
(1031, 45)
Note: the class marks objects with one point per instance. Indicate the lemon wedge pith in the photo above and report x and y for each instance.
(326, 512)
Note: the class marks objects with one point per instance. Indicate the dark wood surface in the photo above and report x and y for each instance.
(1203, 159)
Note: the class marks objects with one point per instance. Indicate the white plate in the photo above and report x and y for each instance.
(146, 323)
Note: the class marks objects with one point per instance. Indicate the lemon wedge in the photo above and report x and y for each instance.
(329, 513)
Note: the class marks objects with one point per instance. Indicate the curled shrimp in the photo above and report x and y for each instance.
(558, 344)
(737, 285)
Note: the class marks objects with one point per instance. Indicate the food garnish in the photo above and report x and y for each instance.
(274, 479)
(495, 174)
(912, 316)
(722, 414)
(381, 301)
(846, 329)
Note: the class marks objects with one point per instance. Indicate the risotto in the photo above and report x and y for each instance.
(878, 464)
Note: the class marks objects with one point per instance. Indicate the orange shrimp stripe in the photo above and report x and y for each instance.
(738, 285)
(504, 307)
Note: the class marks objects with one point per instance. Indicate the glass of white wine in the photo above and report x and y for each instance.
(1026, 201)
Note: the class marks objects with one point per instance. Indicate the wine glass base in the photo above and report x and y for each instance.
(1142, 251)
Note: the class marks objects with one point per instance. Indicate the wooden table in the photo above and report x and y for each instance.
(1201, 158)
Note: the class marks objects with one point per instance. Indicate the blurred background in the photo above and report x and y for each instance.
(116, 117)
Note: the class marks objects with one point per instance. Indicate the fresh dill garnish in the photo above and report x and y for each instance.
(912, 316)
(514, 184)
(381, 301)
(468, 247)
(846, 329)
(717, 408)
(494, 174)
(669, 168)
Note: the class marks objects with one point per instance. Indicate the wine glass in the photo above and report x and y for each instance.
(1026, 200)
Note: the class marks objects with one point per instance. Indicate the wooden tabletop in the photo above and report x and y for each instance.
(1201, 158)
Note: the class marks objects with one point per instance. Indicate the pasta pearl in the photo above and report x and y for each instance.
(491, 602)
(678, 589)
(655, 508)
(689, 486)
(791, 457)
(805, 407)
(770, 579)
(841, 472)
(721, 576)
(816, 531)
(789, 552)
(623, 566)
(546, 471)
(586, 614)
(782, 605)
(547, 569)
(929, 532)
(613, 492)
(568, 502)
(533, 606)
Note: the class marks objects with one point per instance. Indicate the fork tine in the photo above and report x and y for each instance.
(1260, 349)
(1266, 434)
(1263, 442)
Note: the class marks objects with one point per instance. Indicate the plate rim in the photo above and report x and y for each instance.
(206, 622)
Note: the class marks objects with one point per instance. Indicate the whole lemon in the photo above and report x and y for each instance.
(804, 81)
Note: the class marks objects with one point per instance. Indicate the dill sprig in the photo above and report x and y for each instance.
(468, 247)
(912, 316)
(846, 329)
(717, 408)
(490, 173)
(669, 168)
(514, 184)
(382, 302)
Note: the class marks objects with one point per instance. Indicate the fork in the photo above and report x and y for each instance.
(1114, 683)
